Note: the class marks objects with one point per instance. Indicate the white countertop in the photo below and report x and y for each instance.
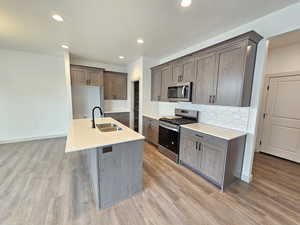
(118, 111)
(224, 133)
(157, 117)
(82, 136)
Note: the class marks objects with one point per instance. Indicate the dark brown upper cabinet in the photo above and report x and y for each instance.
(205, 84)
(235, 74)
(82, 75)
(183, 70)
(222, 74)
(115, 86)
(161, 79)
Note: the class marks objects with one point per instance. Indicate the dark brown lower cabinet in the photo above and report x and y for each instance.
(218, 160)
(122, 117)
(151, 129)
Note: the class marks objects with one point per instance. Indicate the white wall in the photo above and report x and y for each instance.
(33, 96)
(135, 73)
(284, 59)
(268, 26)
(68, 84)
(109, 105)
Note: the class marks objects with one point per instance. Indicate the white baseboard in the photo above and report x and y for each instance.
(246, 178)
(15, 140)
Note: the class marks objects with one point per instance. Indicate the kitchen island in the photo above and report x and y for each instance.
(113, 156)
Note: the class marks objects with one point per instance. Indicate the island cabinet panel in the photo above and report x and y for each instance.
(120, 172)
(115, 86)
(122, 117)
(82, 75)
(205, 84)
(218, 160)
(151, 130)
(183, 70)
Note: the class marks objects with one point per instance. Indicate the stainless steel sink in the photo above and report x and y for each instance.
(108, 127)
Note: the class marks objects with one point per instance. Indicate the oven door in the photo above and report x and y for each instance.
(168, 137)
(180, 92)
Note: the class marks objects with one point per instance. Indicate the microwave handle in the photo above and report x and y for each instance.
(183, 91)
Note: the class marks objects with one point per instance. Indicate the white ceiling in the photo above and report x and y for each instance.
(103, 30)
(285, 39)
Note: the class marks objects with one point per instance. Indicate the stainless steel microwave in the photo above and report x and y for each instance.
(181, 92)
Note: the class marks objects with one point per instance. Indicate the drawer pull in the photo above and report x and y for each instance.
(107, 149)
(200, 136)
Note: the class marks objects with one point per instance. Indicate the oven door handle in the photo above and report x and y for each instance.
(169, 128)
(183, 91)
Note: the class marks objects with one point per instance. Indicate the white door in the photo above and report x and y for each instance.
(281, 131)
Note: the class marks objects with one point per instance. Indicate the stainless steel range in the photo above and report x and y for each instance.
(169, 132)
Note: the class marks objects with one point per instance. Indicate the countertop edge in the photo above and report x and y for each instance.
(101, 146)
(212, 134)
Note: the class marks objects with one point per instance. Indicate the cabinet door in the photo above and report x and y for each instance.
(115, 86)
(206, 78)
(94, 77)
(166, 81)
(177, 71)
(155, 84)
(78, 76)
(153, 131)
(183, 70)
(231, 68)
(145, 127)
(213, 162)
(189, 151)
(188, 69)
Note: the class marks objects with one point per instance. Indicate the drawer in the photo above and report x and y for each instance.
(205, 138)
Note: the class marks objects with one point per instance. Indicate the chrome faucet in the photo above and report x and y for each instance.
(93, 113)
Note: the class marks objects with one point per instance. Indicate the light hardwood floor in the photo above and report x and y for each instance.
(40, 184)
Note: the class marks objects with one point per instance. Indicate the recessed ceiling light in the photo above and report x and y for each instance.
(140, 41)
(121, 57)
(186, 3)
(57, 17)
(65, 46)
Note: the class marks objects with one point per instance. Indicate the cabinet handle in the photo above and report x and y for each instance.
(196, 145)
(198, 135)
(209, 99)
(107, 149)
(214, 99)
(200, 145)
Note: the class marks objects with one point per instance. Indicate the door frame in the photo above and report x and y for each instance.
(267, 79)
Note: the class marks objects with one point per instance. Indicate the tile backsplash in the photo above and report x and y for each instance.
(223, 116)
